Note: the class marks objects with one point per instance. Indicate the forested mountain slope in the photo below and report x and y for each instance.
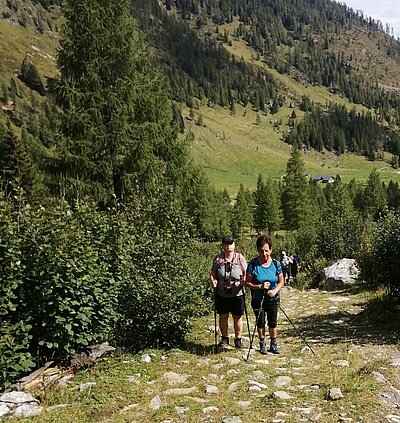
(283, 66)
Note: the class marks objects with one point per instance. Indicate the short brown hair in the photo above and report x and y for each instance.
(262, 240)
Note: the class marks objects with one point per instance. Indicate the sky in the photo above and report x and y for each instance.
(387, 11)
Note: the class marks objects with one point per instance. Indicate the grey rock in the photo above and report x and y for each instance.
(283, 395)
(87, 385)
(258, 384)
(173, 378)
(379, 377)
(282, 381)
(340, 274)
(234, 386)
(258, 374)
(4, 410)
(395, 361)
(211, 389)
(393, 418)
(234, 419)
(335, 394)
(211, 409)
(155, 403)
(145, 358)
(254, 389)
(181, 391)
(181, 410)
(17, 397)
(27, 410)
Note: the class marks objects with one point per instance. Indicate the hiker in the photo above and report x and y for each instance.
(294, 265)
(286, 267)
(265, 279)
(227, 279)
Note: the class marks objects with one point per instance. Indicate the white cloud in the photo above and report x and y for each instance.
(386, 11)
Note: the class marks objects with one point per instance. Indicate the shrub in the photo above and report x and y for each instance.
(162, 276)
(377, 259)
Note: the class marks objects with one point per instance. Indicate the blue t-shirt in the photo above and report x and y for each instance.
(263, 274)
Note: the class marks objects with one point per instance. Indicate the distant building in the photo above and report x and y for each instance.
(324, 179)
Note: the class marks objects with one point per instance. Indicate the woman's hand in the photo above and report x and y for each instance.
(265, 285)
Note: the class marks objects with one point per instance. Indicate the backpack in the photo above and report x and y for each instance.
(221, 261)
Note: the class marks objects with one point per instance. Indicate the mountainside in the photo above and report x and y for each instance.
(248, 76)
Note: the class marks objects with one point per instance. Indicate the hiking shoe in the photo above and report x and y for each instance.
(273, 348)
(263, 347)
(238, 343)
(224, 344)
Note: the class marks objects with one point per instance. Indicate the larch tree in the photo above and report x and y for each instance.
(115, 132)
(295, 198)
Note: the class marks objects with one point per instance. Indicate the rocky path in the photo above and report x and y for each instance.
(354, 375)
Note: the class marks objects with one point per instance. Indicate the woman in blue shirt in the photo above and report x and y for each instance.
(265, 279)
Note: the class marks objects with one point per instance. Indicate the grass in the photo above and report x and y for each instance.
(123, 381)
(233, 149)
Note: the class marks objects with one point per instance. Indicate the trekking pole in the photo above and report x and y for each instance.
(255, 326)
(245, 312)
(301, 336)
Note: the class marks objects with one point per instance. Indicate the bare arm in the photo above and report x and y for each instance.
(279, 286)
(213, 280)
(251, 285)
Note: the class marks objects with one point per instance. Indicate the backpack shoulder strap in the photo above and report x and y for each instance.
(239, 255)
(276, 266)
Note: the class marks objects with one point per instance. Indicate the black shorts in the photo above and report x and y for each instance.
(271, 308)
(234, 305)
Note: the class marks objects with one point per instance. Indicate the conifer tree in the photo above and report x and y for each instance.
(17, 169)
(116, 132)
(374, 199)
(295, 199)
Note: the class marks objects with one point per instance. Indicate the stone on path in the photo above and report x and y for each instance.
(211, 389)
(335, 394)
(211, 409)
(234, 386)
(258, 384)
(173, 378)
(283, 395)
(234, 419)
(395, 361)
(181, 410)
(282, 381)
(155, 403)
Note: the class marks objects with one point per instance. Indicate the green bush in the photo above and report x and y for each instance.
(377, 258)
(57, 291)
(163, 280)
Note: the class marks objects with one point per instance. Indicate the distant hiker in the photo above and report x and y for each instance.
(286, 269)
(294, 265)
(265, 279)
(227, 278)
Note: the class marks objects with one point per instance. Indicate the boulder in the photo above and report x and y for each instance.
(340, 274)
